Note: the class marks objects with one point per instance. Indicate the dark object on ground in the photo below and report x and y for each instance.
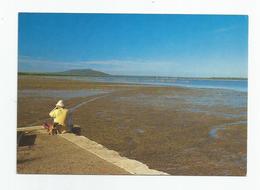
(24, 139)
(76, 130)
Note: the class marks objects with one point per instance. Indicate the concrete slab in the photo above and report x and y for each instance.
(113, 157)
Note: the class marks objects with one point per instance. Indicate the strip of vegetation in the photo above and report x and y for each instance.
(92, 73)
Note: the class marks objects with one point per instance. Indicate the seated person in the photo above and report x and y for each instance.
(61, 117)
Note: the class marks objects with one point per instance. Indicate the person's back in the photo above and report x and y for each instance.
(60, 115)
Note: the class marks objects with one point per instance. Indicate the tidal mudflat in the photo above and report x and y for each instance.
(181, 131)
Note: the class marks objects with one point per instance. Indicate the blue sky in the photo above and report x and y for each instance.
(134, 44)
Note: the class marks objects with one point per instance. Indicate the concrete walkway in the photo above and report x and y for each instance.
(71, 154)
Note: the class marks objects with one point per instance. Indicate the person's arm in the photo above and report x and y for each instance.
(53, 112)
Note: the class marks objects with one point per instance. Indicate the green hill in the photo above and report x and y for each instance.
(83, 72)
(73, 72)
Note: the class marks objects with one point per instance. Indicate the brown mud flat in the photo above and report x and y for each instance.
(154, 125)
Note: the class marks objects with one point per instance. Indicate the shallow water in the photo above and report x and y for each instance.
(213, 97)
(238, 85)
(63, 94)
(214, 131)
(225, 104)
(204, 101)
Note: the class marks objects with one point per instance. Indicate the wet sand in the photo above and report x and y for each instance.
(168, 128)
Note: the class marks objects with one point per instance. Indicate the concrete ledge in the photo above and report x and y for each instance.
(28, 129)
(129, 165)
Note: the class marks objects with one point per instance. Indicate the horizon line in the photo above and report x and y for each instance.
(118, 75)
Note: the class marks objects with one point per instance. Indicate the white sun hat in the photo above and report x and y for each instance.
(60, 103)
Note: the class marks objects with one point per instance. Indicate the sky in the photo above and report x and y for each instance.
(134, 44)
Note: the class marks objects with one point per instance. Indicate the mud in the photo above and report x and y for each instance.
(167, 128)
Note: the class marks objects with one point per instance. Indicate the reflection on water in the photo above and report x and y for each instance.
(212, 97)
(194, 101)
(219, 98)
(217, 113)
(62, 94)
(214, 131)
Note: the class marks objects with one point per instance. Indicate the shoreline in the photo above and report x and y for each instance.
(81, 78)
(134, 84)
(149, 76)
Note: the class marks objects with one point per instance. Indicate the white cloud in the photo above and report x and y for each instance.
(224, 29)
(118, 67)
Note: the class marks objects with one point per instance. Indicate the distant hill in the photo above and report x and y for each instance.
(73, 72)
(83, 72)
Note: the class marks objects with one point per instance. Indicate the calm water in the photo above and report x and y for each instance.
(64, 94)
(238, 85)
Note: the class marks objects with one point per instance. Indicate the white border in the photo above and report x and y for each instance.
(8, 55)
